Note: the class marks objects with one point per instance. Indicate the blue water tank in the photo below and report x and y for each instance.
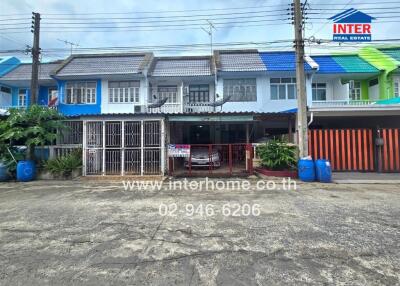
(26, 171)
(306, 169)
(323, 171)
(3, 172)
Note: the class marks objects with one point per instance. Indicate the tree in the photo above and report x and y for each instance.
(34, 126)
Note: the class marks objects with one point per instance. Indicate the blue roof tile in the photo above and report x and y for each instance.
(280, 61)
(328, 65)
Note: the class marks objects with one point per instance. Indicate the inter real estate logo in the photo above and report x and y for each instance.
(352, 26)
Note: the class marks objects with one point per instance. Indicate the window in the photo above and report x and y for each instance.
(22, 96)
(124, 91)
(53, 93)
(80, 93)
(241, 89)
(283, 88)
(355, 91)
(318, 91)
(199, 93)
(170, 92)
(373, 82)
(5, 90)
(397, 88)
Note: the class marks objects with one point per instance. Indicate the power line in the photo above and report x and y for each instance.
(158, 21)
(208, 15)
(167, 12)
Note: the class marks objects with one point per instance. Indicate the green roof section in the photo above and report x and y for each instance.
(379, 59)
(393, 52)
(354, 64)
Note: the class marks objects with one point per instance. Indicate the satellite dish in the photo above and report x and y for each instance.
(158, 103)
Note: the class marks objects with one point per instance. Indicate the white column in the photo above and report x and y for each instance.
(181, 96)
(122, 148)
(84, 149)
(162, 146)
(104, 148)
(142, 148)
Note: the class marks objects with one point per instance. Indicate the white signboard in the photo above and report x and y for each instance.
(178, 150)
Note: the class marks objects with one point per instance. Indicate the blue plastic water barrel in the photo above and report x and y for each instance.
(26, 171)
(323, 171)
(3, 172)
(306, 169)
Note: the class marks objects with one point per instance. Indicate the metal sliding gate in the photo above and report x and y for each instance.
(346, 149)
(365, 149)
(123, 147)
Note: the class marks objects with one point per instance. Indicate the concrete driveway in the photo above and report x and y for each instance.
(97, 233)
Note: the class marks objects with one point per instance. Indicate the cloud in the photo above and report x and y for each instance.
(255, 32)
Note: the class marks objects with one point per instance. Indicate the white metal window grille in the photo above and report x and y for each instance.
(94, 148)
(152, 147)
(199, 93)
(355, 91)
(72, 134)
(124, 91)
(22, 97)
(124, 147)
(170, 92)
(80, 93)
(241, 89)
(133, 143)
(283, 88)
(318, 91)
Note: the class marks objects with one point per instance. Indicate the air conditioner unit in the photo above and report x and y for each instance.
(139, 109)
(351, 84)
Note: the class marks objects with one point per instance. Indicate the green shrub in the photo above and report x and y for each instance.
(278, 155)
(65, 165)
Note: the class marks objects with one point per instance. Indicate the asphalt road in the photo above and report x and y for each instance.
(97, 233)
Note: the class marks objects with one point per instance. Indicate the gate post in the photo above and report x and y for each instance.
(249, 157)
(230, 158)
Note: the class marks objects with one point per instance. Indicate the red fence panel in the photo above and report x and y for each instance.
(389, 153)
(346, 149)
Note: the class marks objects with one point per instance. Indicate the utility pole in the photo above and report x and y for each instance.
(35, 57)
(302, 128)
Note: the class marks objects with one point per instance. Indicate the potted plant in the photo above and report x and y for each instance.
(278, 158)
(30, 127)
(65, 167)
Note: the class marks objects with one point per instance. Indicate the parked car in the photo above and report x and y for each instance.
(200, 158)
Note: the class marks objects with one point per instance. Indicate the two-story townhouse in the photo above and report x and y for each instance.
(186, 82)
(16, 85)
(393, 88)
(346, 91)
(6, 65)
(107, 94)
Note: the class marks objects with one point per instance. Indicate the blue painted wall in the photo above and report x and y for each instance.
(7, 64)
(43, 98)
(78, 109)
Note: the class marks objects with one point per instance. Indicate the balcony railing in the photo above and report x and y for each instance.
(338, 103)
(166, 108)
(197, 107)
(178, 108)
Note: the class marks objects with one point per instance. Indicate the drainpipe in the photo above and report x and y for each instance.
(311, 118)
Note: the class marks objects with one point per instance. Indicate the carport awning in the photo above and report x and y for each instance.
(211, 118)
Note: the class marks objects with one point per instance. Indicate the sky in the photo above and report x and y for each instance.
(253, 31)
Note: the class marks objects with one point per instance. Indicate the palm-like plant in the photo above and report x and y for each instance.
(34, 126)
(278, 155)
